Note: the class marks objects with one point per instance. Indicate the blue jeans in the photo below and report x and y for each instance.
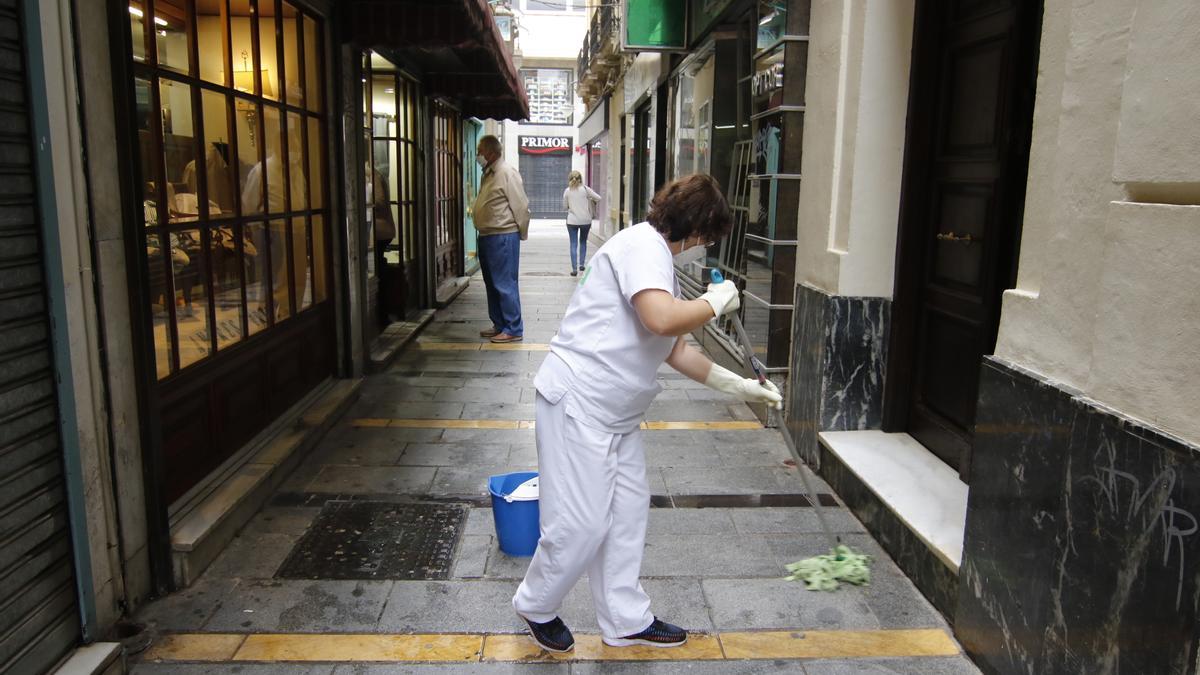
(499, 261)
(579, 237)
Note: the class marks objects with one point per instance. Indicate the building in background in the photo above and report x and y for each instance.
(963, 234)
(190, 268)
(545, 146)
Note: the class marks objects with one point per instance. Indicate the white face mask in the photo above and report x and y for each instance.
(481, 161)
(690, 255)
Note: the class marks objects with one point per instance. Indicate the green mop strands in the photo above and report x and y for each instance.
(826, 572)
(823, 572)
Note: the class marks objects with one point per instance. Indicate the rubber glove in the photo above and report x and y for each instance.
(745, 388)
(723, 297)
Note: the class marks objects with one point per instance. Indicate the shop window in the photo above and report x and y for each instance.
(293, 78)
(395, 157)
(551, 95)
(229, 129)
(693, 98)
(312, 65)
(448, 143)
(268, 49)
(171, 35)
(137, 29)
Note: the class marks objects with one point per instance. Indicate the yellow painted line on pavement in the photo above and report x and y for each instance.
(714, 426)
(515, 347)
(484, 346)
(194, 647)
(476, 647)
(428, 647)
(378, 423)
(699, 647)
(838, 644)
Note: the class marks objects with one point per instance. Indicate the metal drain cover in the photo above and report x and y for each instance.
(377, 540)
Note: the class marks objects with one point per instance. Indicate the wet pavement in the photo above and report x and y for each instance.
(289, 596)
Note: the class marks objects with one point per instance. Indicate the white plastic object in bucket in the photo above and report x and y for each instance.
(525, 492)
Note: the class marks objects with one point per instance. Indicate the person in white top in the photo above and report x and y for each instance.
(625, 319)
(578, 201)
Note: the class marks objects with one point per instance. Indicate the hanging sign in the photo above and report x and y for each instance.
(654, 25)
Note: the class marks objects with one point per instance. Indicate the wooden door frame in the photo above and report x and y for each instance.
(924, 85)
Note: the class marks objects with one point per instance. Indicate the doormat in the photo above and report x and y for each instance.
(377, 540)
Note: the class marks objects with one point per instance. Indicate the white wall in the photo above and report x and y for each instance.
(1106, 299)
(857, 92)
(551, 34)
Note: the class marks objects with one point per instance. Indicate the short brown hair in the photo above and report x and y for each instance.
(693, 205)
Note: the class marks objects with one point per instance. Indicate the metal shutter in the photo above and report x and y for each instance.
(39, 616)
(545, 178)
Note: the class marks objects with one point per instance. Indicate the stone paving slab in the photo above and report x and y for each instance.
(232, 669)
(454, 455)
(688, 668)
(289, 520)
(732, 480)
(372, 479)
(959, 665)
(190, 608)
(783, 520)
(295, 606)
(252, 556)
(762, 604)
(454, 669)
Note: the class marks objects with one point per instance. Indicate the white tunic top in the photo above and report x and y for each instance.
(603, 360)
(577, 204)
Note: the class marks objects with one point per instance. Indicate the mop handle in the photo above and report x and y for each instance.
(756, 366)
(752, 363)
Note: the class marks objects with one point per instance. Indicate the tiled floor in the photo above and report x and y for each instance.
(442, 420)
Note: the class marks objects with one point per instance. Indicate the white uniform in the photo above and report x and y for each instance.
(593, 390)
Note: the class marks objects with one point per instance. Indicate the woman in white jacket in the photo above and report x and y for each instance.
(577, 202)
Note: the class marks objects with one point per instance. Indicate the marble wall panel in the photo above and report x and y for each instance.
(1082, 553)
(839, 349)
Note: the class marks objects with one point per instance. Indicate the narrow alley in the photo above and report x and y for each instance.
(421, 587)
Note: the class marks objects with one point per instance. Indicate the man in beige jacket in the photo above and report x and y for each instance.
(501, 213)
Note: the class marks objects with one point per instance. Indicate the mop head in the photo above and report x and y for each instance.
(824, 572)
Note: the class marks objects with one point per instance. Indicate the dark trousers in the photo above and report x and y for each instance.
(499, 261)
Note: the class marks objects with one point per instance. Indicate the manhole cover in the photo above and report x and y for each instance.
(376, 540)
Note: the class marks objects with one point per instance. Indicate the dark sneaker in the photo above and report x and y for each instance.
(659, 634)
(553, 636)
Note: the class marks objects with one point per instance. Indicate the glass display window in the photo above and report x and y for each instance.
(692, 137)
(229, 128)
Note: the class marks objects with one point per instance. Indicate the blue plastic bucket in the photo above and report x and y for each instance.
(516, 521)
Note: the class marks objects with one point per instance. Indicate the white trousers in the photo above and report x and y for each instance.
(593, 502)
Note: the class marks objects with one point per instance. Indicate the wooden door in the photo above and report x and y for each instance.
(967, 156)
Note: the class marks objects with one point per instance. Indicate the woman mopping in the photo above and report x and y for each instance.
(577, 202)
(625, 319)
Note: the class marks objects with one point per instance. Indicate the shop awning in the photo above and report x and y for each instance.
(456, 45)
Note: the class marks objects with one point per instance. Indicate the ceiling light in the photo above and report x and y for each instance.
(136, 12)
(161, 22)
